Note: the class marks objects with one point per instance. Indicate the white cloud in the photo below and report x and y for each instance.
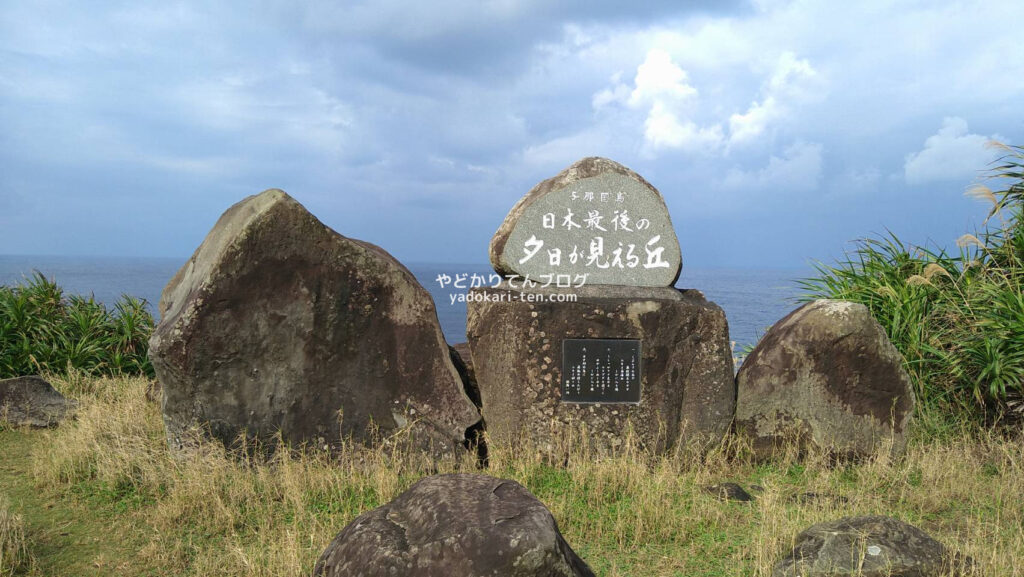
(790, 82)
(953, 153)
(663, 89)
(674, 107)
(798, 169)
(618, 93)
(660, 80)
(749, 125)
(664, 130)
(791, 76)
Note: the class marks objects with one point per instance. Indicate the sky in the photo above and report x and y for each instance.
(777, 131)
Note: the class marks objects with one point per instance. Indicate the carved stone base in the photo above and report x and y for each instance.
(687, 389)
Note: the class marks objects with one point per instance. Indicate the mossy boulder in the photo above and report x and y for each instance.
(869, 546)
(825, 375)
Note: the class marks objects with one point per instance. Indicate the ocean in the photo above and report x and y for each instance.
(753, 299)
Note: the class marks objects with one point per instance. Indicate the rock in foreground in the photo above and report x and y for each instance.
(278, 323)
(871, 546)
(825, 375)
(32, 402)
(454, 525)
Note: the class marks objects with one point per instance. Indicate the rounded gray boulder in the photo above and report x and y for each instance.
(454, 525)
(869, 546)
(33, 402)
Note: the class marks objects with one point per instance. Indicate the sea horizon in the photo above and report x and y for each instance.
(753, 298)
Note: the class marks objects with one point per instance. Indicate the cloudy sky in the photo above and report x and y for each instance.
(777, 131)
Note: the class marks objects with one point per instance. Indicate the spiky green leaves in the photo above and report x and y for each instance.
(42, 330)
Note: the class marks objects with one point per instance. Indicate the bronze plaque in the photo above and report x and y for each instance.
(601, 371)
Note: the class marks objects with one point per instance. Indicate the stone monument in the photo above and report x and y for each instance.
(587, 330)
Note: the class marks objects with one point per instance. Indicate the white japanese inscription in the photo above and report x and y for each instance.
(599, 220)
(532, 247)
(612, 226)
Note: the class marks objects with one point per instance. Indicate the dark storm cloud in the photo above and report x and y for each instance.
(472, 38)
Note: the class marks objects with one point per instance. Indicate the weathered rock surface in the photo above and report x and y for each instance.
(686, 390)
(871, 546)
(475, 437)
(463, 361)
(33, 402)
(454, 525)
(597, 219)
(825, 375)
(278, 323)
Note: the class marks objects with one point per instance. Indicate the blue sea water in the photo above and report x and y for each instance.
(753, 299)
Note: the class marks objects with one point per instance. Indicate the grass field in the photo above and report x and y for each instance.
(103, 496)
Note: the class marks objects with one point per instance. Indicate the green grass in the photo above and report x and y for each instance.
(958, 319)
(42, 330)
(103, 495)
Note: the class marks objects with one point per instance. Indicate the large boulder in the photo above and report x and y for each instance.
(825, 375)
(32, 402)
(454, 525)
(679, 385)
(596, 220)
(278, 323)
(870, 546)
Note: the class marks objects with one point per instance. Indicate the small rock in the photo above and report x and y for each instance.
(454, 525)
(870, 546)
(729, 492)
(33, 402)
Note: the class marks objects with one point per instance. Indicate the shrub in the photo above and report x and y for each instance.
(41, 330)
(957, 319)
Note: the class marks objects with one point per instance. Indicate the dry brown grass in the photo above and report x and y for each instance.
(13, 543)
(209, 512)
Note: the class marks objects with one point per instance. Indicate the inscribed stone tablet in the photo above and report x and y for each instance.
(597, 222)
